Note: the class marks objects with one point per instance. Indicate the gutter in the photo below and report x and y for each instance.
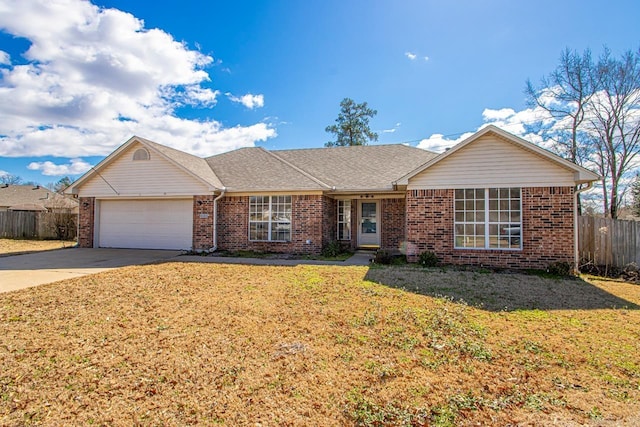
(576, 254)
(215, 220)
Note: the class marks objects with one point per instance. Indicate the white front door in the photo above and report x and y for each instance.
(369, 223)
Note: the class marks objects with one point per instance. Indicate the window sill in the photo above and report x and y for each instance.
(488, 249)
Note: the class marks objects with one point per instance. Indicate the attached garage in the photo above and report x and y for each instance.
(145, 223)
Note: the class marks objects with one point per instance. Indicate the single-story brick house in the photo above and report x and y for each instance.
(493, 199)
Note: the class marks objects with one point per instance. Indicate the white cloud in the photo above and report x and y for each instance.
(438, 143)
(250, 101)
(75, 167)
(393, 129)
(426, 58)
(515, 122)
(96, 76)
(4, 173)
(410, 55)
(5, 58)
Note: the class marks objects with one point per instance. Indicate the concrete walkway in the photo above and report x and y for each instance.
(23, 271)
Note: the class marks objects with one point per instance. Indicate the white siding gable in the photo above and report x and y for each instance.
(492, 161)
(154, 177)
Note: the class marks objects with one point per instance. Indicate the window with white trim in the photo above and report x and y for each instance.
(270, 218)
(488, 218)
(344, 219)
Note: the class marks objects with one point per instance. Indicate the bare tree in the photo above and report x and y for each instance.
(565, 95)
(595, 109)
(614, 120)
(10, 179)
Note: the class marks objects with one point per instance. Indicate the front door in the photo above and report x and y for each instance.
(369, 223)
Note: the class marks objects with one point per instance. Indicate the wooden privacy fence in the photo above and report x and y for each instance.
(37, 225)
(608, 242)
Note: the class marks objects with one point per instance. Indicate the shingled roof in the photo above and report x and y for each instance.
(345, 169)
(28, 197)
(256, 169)
(360, 168)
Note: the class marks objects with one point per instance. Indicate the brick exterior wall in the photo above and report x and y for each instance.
(86, 221)
(547, 229)
(393, 223)
(203, 222)
(329, 220)
(307, 223)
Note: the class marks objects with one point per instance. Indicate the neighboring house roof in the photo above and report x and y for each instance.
(359, 168)
(30, 198)
(31, 207)
(581, 175)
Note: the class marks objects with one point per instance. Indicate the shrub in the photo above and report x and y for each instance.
(428, 259)
(333, 249)
(560, 268)
(383, 257)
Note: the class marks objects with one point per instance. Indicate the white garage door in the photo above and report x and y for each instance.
(146, 224)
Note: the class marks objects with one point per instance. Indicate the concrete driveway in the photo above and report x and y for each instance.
(23, 271)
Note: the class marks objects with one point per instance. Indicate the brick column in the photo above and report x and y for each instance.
(202, 222)
(86, 221)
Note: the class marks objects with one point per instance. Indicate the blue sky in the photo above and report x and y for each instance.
(78, 78)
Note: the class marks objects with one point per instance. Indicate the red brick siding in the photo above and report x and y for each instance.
(202, 222)
(329, 220)
(306, 224)
(547, 229)
(86, 221)
(354, 224)
(393, 223)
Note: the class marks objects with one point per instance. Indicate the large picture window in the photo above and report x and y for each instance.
(270, 218)
(488, 218)
(344, 219)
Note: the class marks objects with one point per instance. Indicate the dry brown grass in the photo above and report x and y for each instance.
(18, 246)
(179, 344)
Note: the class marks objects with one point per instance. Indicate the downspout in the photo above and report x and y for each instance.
(576, 254)
(215, 220)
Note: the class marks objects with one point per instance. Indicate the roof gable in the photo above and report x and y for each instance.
(193, 166)
(579, 174)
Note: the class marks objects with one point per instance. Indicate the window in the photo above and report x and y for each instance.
(270, 218)
(488, 218)
(141, 154)
(344, 219)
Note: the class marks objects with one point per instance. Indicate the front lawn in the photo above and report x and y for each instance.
(21, 246)
(185, 343)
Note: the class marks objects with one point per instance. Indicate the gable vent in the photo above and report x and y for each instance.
(141, 154)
